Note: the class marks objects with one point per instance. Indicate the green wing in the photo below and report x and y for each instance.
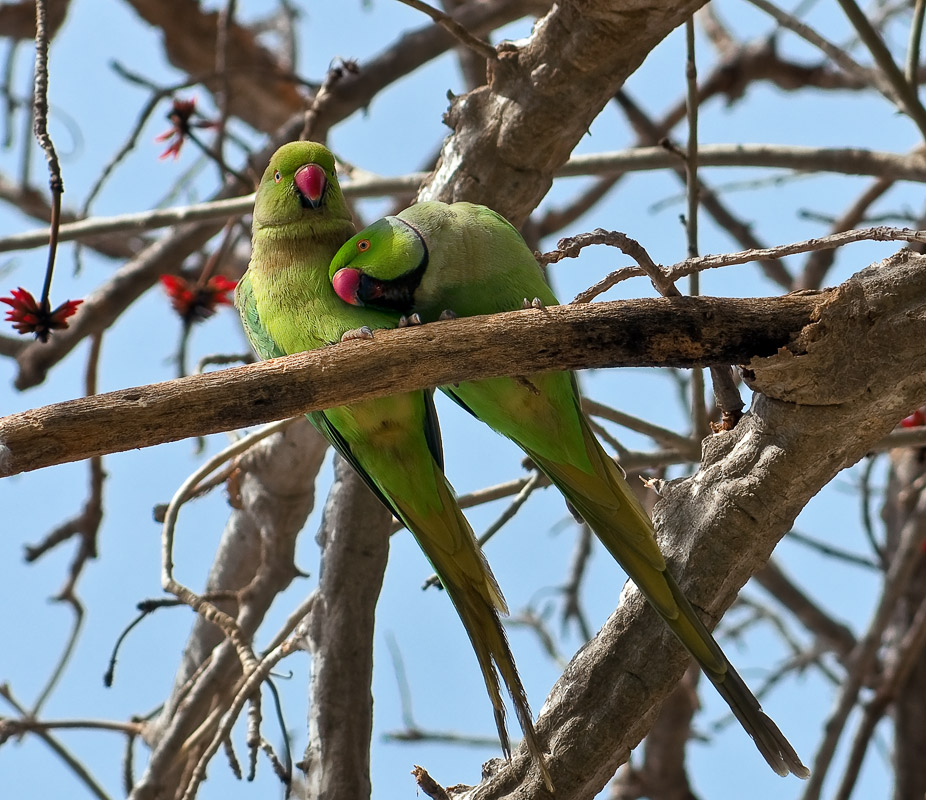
(257, 334)
(265, 347)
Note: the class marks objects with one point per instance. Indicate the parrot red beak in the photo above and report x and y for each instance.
(311, 183)
(346, 283)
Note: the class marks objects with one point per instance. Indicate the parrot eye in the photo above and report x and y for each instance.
(363, 245)
(277, 177)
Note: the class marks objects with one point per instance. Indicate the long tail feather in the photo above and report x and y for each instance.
(605, 502)
(770, 741)
(448, 541)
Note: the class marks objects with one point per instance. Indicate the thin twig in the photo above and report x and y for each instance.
(837, 54)
(250, 683)
(224, 21)
(916, 37)
(141, 119)
(570, 246)
(699, 418)
(572, 608)
(401, 678)
(819, 262)
(865, 497)
(650, 132)
(903, 563)
(658, 434)
(284, 769)
(691, 152)
(40, 129)
(32, 725)
(76, 766)
(908, 650)
(904, 91)
(455, 29)
(188, 489)
(878, 234)
(533, 621)
(830, 551)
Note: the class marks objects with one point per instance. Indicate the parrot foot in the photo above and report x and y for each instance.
(407, 322)
(448, 314)
(357, 333)
(535, 303)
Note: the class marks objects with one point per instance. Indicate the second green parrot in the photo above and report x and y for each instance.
(288, 305)
(466, 258)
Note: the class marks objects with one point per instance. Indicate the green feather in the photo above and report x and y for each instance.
(468, 259)
(288, 305)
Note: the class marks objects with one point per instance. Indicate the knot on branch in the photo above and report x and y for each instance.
(866, 333)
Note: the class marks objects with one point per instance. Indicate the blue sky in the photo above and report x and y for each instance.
(394, 135)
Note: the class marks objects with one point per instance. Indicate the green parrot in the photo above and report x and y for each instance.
(435, 259)
(287, 305)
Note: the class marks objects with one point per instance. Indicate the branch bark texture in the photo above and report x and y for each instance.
(681, 332)
(820, 404)
(354, 539)
(504, 149)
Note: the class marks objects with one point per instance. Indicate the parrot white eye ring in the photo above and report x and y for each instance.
(363, 245)
(277, 177)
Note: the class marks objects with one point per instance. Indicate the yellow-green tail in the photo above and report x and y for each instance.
(448, 541)
(606, 503)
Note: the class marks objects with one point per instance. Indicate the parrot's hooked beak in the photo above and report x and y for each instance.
(311, 182)
(346, 283)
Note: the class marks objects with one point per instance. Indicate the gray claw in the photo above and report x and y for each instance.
(406, 322)
(535, 303)
(447, 314)
(357, 333)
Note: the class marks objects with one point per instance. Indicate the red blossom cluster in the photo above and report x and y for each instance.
(181, 118)
(194, 302)
(30, 316)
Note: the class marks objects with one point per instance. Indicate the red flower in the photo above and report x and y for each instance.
(28, 316)
(181, 117)
(916, 420)
(195, 303)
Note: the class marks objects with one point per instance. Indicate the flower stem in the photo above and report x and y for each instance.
(40, 129)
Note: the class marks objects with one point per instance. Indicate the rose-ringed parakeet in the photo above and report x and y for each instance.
(288, 305)
(465, 258)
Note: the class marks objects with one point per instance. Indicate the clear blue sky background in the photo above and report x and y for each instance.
(92, 113)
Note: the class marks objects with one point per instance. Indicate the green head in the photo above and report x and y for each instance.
(381, 266)
(299, 185)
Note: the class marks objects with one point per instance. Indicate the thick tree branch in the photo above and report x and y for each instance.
(827, 398)
(504, 151)
(354, 539)
(680, 332)
(266, 97)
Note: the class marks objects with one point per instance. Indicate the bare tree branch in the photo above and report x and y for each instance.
(716, 528)
(521, 342)
(354, 539)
